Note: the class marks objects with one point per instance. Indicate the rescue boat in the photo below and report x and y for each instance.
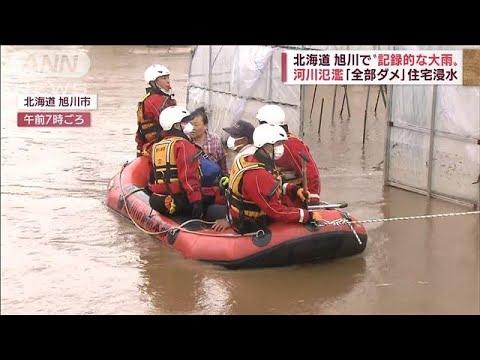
(281, 244)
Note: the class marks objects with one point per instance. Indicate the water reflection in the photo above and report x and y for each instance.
(63, 252)
(180, 286)
(431, 266)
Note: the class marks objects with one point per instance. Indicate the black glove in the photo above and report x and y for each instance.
(197, 210)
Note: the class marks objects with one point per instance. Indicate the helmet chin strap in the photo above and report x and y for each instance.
(165, 91)
(267, 154)
(155, 85)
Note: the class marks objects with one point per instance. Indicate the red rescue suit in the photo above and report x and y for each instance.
(148, 113)
(291, 162)
(255, 197)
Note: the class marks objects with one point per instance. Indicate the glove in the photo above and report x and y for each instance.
(223, 183)
(170, 204)
(301, 193)
(197, 210)
(316, 216)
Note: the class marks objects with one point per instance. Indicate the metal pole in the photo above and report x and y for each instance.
(313, 102)
(216, 56)
(432, 137)
(192, 55)
(381, 91)
(345, 97)
(320, 120)
(389, 124)
(365, 117)
(478, 203)
(348, 103)
(270, 80)
(383, 94)
(378, 98)
(302, 106)
(210, 65)
(334, 98)
(388, 133)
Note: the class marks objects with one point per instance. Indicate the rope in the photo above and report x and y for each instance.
(414, 217)
(172, 230)
(339, 222)
(346, 221)
(180, 227)
(126, 204)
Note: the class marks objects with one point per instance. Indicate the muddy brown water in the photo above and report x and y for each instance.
(64, 252)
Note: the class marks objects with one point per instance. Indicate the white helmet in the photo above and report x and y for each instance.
(154, 71)
(271, 114)
(172, 115)
(268, 134)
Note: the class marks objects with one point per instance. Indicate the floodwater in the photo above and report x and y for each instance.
(64, 252)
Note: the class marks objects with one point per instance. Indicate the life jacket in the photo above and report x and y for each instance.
(235, 198)
(149, 128)
(164, 161)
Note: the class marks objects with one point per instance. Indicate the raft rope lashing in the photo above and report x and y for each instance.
(340, 222)
(174, 229)
(346, 220)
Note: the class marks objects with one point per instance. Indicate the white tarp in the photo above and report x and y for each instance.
(456, 154)
(232, 82)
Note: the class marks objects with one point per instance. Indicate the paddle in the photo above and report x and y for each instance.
(304, 175)
(327, 206)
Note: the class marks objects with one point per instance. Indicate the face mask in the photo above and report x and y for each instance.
(231, 143)
(278, 152)
(188, 129)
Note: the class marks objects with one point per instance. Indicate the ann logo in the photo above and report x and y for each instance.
(57, 63)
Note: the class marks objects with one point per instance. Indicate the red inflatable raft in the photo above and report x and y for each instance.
(282, 244)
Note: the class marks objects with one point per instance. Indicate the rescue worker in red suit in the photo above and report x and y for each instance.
(290, 164)
(175, 175)
(255, 189)
(158, 97)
